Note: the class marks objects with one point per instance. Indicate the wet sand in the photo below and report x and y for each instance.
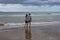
(47, 32)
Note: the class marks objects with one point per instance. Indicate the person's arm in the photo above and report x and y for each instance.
(24, 21)
(30, 18)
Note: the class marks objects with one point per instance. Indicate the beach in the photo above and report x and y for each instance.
(50, 31)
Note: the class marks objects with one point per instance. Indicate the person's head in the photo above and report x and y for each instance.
(29, 13)
(26, 15)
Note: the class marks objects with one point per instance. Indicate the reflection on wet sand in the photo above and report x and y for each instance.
(47, 32)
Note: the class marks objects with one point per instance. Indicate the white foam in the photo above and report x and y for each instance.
(14, 25)
(31, 15)
(33, 23)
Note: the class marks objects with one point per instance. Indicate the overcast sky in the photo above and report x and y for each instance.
(30, 5)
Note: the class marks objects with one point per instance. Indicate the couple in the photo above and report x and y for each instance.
(28, 20)
(28, 26)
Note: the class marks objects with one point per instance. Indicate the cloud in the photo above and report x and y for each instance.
(31, 2)
(42, 2)
(22, 8)
(29, 5)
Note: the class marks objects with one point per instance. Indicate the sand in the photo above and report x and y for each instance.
(47, 32)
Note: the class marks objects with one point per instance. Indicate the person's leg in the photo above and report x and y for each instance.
(29, 26)
(26, 25)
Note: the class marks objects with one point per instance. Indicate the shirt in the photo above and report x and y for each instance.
(28, 18)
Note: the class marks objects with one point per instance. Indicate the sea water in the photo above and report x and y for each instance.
(17, 18)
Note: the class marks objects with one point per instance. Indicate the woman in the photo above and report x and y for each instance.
(26, 21)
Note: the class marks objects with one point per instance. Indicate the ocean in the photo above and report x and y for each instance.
(15, 18)
(45, 26)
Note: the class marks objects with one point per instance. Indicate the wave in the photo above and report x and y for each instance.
(55, 13)
(34, 23)
(24, 15)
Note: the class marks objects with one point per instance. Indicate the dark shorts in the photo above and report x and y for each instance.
(26, 21)
(29, 21)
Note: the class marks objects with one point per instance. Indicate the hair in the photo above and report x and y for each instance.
(29, 13)
(26, 15)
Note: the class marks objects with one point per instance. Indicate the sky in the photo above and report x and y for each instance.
(30, 5)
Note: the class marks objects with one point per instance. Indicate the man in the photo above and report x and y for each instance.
(27, 26)
(29, 22)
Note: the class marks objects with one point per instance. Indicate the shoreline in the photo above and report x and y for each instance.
(47, 32)
(32, 25)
